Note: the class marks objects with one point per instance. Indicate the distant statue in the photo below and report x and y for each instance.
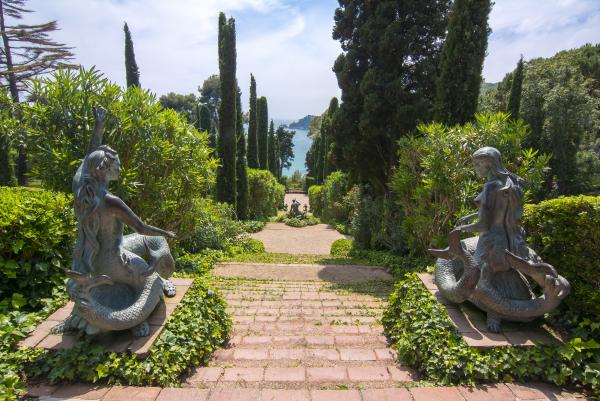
(489, 270)
(295, 209)
(112, 285)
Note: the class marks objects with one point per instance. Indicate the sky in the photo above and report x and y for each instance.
(286, 44)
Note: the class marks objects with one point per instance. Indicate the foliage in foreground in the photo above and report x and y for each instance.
(426, 339)
(166, 162)
(195, 329)
(564, 232)
(37, 231)
(435, 182)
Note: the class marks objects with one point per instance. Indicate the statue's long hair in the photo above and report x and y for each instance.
(513, 189)
(88, 195)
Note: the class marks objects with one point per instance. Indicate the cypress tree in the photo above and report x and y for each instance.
(252, 127)
(273, 156)
(318, 160)
(226, 143)
(205, 124)
(461, 61)
(514, 101)
(262, 119)
(131, 69)
(241, 167)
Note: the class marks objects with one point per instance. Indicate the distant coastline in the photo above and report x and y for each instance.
(303, 123)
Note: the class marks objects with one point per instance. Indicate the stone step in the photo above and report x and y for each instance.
(307, 319)
(308, 328)
(307, 304)
(308, 341)
(303, 355)
(302, 377)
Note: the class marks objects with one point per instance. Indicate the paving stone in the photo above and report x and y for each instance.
(234, 394)
(55, 341)
(284, 395)
(202, 375)
(287, 353)
(436, 393)
(129, 393)
(357, 354)
(401, 374)
(183, 394)
(323, 353)
(40, 390)
(485, 339)
(497, 392)
(388, 394)
(326, 374)
(385, 354)
(285, 374)
(319, 340)
(81, 391)
(335, 395)
(368, 373)
(243, 374)
(251, 354)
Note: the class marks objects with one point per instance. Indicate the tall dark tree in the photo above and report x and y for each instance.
(226, 143)
(132, 71)
(205, 123)
(387, 76)
(241, 163)
(461, 63)
(285, 142)
(272, 150)
(262, 119)
(27, 51)
(516, 89)
(252, 127)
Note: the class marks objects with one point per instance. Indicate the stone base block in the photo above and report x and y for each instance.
(119, 341)
(470, 323)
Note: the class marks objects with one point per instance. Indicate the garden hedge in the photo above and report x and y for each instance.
(265, 194)
(565, 233)
(37, 232)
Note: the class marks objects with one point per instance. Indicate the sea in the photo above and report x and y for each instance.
(301, 145)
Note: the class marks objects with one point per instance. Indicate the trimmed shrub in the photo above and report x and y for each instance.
(565, 233)
(341, 247)
(166, 162)
(435, 182)
(335, 188)
(265, 194)
(37, 232)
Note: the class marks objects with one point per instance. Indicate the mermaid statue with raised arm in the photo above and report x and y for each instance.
(115, 281)
(490, 270)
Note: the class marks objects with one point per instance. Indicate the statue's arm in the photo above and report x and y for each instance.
(127, 216)
(468, 217)
(96, 141)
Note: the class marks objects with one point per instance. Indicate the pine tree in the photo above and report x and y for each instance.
(132, 71)
(241, 167)
(226, 143)
(272, 150)
(252, 127)
(262, 119)
(461, 61)
(27, 51)
(514, 101)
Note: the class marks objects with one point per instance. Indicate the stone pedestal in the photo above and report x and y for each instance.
(114, 341)
(470, 323)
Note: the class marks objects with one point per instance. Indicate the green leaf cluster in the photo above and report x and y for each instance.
(564, 232)
(265, 194)
(336, 200)
(37, 231)
(166, 162)
(435, 182)
(426, 340)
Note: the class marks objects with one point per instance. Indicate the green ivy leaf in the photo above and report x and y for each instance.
(18, 300)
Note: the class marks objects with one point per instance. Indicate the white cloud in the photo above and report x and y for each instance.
(537, 29)
(175, 45)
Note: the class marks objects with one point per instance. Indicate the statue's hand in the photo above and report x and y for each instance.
(99, 114)
(170, 234)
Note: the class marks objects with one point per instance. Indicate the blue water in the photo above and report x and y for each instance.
(301, 145)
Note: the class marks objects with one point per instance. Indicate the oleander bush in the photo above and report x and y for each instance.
(315, 199)
(166, 162)
(427, 340)
(435, 183)
(265, 194)
(565, 233)
(335, 202)
(37, 232)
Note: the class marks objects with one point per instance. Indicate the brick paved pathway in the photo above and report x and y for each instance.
(314, 240)
(305, 340)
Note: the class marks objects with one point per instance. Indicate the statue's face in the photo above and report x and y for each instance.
(481, 167)
(114, 169)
